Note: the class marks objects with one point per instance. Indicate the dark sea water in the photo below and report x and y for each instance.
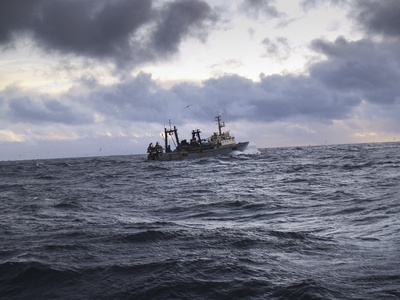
(285, 223)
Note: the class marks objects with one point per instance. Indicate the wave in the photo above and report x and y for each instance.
(302, 223)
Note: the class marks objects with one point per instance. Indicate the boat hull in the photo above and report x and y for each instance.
(181, 155)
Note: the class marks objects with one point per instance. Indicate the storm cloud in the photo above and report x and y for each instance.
(374, 17)
(379, 17)
(368, 67)
(124, 32)
(178, 20)
(361, 66)
(52, 111)
(273, 98)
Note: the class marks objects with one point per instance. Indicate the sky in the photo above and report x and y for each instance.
(103, 77)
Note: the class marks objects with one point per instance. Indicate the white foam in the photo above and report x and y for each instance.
(251, 149)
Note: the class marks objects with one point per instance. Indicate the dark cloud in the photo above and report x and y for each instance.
(380, 17)
(178, 20)
(16, 16)
(125, 32)
(305, 97)
(274, 98)
(255, 8)
(27, 110)
(137, 99)
(368, 68)
(277, 98)
(89, 29)
(374, 16)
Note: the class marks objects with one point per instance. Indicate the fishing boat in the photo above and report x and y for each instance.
(219, 143)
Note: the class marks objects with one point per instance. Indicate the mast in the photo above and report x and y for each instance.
(170, 131)
(220, 124)
(194, 133)
(166, 139)
(178, 145)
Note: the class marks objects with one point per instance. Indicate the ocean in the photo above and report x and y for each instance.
(318, 222)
